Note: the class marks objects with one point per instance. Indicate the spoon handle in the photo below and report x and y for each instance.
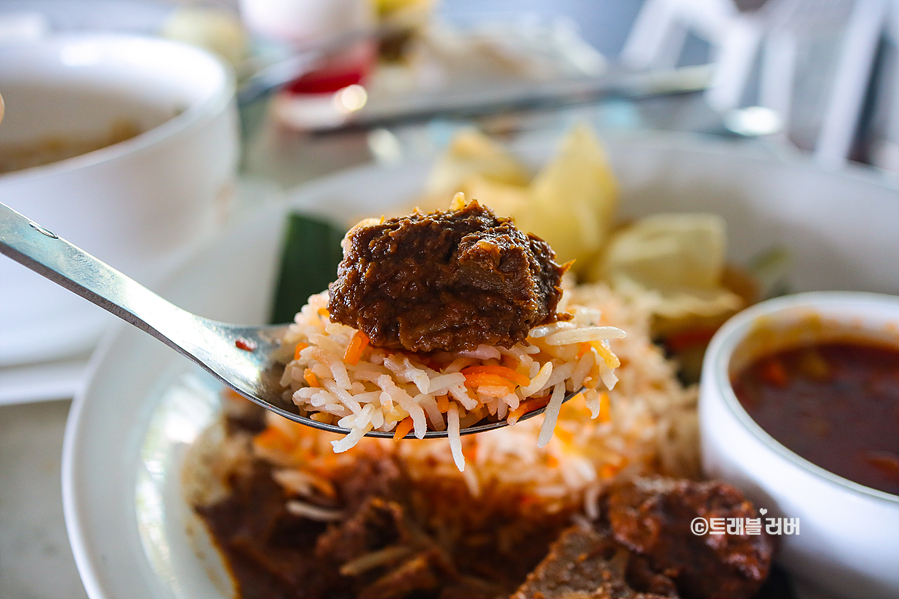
(66, 265)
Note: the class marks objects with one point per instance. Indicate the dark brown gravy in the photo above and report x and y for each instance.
(274, 554)
(836, 404)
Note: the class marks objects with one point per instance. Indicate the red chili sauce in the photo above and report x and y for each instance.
(836, 404)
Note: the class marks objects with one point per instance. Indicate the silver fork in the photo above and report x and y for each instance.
(241, 357)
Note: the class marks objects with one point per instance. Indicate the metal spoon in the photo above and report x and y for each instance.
(241, 357)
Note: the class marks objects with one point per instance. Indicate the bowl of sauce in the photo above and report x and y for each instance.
(124, 145)
(799, 405)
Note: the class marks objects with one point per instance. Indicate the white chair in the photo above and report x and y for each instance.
(772, 38)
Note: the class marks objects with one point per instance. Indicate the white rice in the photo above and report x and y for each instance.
(647, 424)
(440, 391)
(313, 512)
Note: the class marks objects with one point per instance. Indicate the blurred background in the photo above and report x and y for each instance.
(325, 85)
(815, 76)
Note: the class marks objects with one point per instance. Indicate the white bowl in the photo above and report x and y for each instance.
(848, 540)
(140, 204)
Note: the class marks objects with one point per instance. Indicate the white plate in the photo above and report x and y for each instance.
(131, 533)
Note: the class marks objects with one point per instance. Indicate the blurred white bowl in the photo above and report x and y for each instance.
(140, 204)
(848, 541)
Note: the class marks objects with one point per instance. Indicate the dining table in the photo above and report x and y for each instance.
(36, 561)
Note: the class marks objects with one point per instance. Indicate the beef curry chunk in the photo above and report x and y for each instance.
(652, 517)
(587, 563)
(380, 554)
(445, 281)
(266, 547)
(643, 548)
(275, 554)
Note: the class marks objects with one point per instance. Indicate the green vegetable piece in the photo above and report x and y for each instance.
(308, 263)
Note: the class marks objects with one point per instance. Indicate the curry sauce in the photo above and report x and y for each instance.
(834, 403)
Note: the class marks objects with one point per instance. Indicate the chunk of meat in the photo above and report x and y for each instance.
(584, 563)
(652, 518)
(382, 557)
(420, 574)
(644, 548)
(445, 281)
(268, 550)
(377, 524)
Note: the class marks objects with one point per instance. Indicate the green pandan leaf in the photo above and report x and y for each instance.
(308, 263)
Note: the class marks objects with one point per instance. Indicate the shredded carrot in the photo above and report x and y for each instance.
(273, 438)
(324, 465)
(606, 354)
(607, 471)
(552, 461)
(482, 379)
(605, 407)
(584, 348)
(300, 347)
(321, 416)
(442, 403)
(502, 371)
(323, 312)
(527, 406)
(563, 435)
(403, 428)
(578, 397)
(355, 348)
(509, 361)
(591, 381)
(310, 378)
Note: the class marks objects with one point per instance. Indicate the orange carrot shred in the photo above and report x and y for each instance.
(310, 378)
(606, 354)
(273, 438)
(300, 347)
(497, 370)
(607, 471)
(563, 435)
(528, 406)
(482, 379)
(604, 408)
(443, 404)
(355, 348)
(403, 428)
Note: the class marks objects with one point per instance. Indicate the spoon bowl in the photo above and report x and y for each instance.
(242, 357)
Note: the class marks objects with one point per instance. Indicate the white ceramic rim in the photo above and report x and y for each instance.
(195, 115)
(734, 331)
